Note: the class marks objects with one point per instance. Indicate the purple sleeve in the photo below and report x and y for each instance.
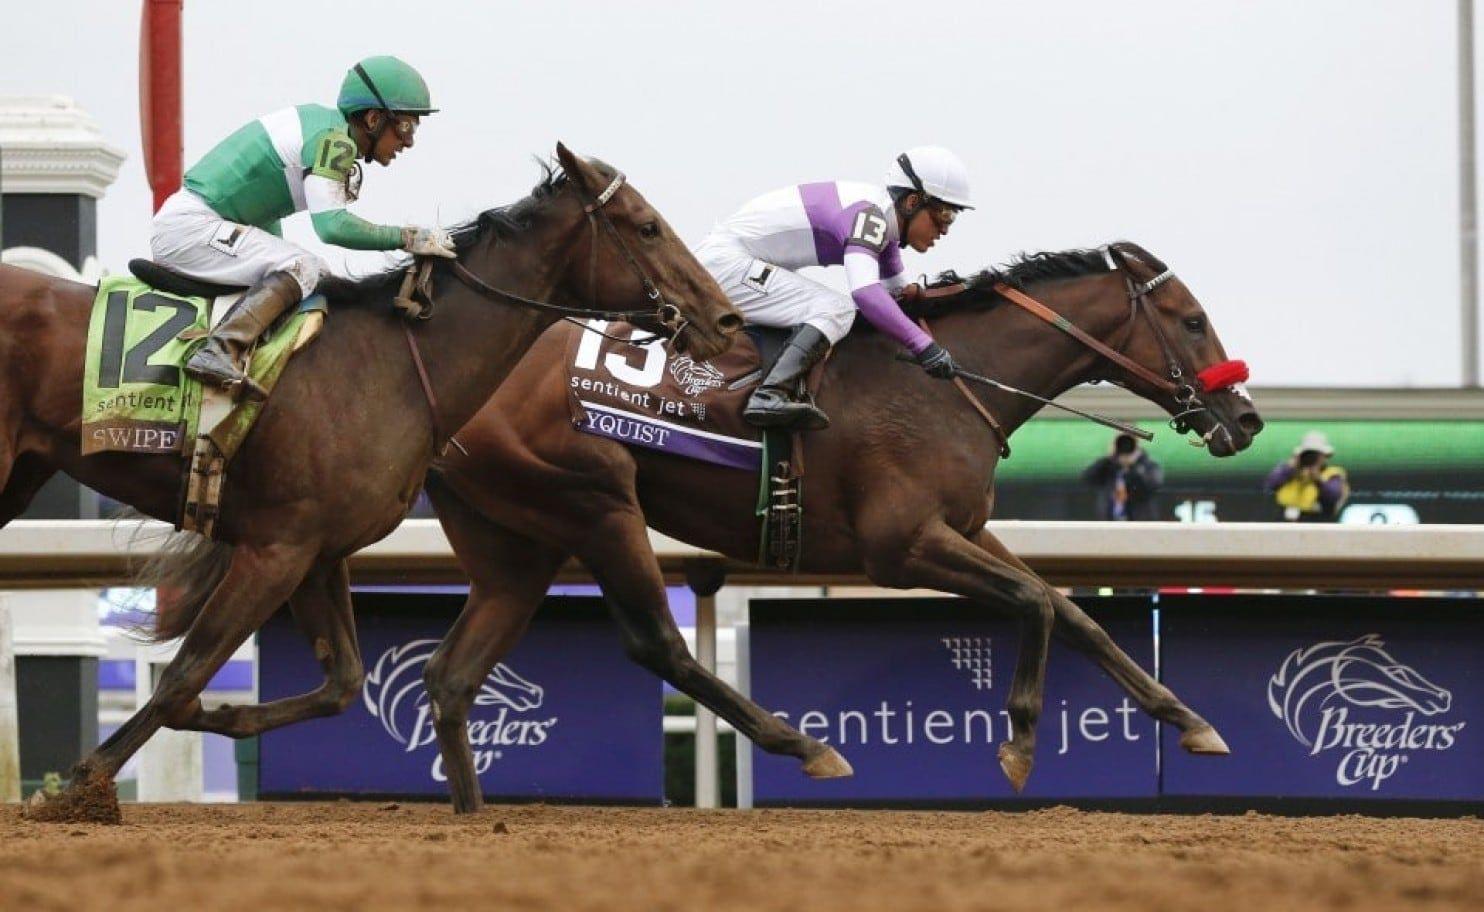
(883, 312)
(891, 262)
(1332, 492)
(1278, 477)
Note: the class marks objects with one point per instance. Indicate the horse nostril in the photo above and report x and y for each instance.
(729, 324)
(1250, 422)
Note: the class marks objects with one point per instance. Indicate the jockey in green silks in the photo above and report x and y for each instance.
(223, 225)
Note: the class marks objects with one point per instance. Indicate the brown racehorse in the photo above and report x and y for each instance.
(899, 487)
(341, 449)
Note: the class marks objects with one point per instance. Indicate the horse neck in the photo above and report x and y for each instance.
(1009, 344)
(472, 341)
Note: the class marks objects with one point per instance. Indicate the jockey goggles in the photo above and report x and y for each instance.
(943, 213)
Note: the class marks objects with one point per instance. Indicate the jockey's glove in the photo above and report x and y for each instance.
(937, 362)
(428, 242)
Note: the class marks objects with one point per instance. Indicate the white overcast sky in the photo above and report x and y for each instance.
(1295, 162)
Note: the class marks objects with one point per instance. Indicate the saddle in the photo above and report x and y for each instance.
(163, 278)
(643, 395)
(136, 397)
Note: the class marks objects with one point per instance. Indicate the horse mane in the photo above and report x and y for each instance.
(1024, 272)
(502, 222)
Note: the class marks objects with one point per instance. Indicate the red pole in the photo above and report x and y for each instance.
(160, 96)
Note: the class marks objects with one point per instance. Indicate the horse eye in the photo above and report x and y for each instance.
(1195, 324)
(649, 231)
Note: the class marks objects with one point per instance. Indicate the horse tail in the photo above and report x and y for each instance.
(184, 571)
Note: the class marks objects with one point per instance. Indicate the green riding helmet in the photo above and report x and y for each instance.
(386, 83)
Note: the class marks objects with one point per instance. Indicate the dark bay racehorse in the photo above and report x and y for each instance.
(899, 487)
(341, 449)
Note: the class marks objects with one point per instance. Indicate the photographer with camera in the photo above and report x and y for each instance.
(1127, 479)
(1306, 487)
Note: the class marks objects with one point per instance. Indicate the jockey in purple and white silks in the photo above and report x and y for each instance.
(752, 255)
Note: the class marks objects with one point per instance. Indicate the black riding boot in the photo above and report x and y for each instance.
(219, 360)
(774, 403)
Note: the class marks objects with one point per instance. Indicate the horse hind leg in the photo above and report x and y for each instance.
(509, 574)
(619, 556)
(321, 607)
(258, 580)
(940, 558)
(1082, 633)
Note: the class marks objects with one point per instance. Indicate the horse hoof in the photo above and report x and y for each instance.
(87, 800)
(1204, 740)
(828, 765)
(1017, 766)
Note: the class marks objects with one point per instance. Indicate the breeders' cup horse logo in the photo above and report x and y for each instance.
(1317, 687)
(695, 377)
(394, 694)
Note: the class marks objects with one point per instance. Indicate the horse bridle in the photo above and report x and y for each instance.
(1187, 397)
(417, 279)
(663, 313)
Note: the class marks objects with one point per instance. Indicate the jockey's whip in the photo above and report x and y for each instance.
(1104, 421)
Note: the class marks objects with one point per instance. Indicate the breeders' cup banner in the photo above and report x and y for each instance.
(1331, 697)
(913, 693)
(565, 715)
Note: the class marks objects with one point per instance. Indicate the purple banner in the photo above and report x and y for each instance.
(692, 443)
(566, 715)
(913, 692)
(1328, 697)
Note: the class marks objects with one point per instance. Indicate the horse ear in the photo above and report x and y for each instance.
(576, 167)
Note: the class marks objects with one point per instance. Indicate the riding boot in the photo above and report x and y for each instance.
(775, 403)
(219, 359)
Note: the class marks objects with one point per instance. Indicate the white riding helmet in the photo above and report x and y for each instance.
(933, 171)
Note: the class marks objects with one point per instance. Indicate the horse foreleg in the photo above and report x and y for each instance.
(257, 581)
(619, 556)
(940, 558)
(322, 608)
(1085, 635)
(509, 574)
(508, 577)
(20, 479)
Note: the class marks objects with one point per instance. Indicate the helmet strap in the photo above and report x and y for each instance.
(386, 112)
(910, 212)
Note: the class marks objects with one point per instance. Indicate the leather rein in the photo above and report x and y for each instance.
(415, 298)
(1186, 395)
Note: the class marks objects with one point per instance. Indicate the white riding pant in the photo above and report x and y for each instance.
(770, 295)
(190, 237)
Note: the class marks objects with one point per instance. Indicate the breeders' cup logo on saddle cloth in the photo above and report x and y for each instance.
(1318, 690)
(695, 377)
(394, 694)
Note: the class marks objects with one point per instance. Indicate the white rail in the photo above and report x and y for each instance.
(71, 554)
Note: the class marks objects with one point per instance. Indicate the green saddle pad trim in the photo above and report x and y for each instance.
(764, 493)
(136, 398)
(266, 365)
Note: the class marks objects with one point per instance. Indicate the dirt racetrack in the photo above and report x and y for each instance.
(264, 857)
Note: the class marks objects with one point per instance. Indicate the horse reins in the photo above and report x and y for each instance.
(1216, 377)
(664, 313)
(418, 277)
